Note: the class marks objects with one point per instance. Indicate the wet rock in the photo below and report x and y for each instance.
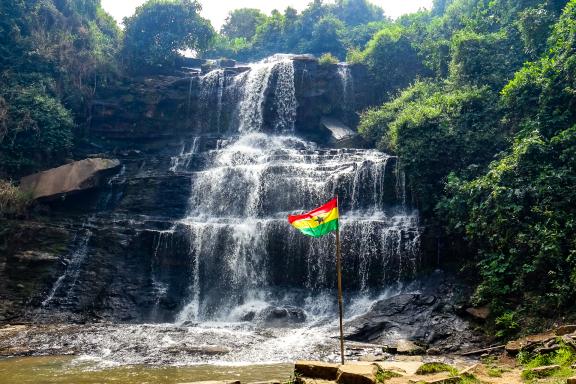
(304, 57)
(428, 318)
(357, 374)
(282, 316)
(565, 329)
(226, 63)
(407, 347)
(341, 136)
(198, 350)
(35, 256)
(68, 179)
(479, 313)
(316, 369)
(529, 343)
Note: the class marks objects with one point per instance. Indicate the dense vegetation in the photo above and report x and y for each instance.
(478, 102)
(321, 28)
(487, 138)
(159, 30)
(53, 56)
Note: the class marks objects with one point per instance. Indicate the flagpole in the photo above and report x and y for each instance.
(339, 273)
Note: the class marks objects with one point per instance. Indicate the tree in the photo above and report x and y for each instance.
(160, 29)
(357, 12)
(242, 23)
(327, 37)
(392, 60)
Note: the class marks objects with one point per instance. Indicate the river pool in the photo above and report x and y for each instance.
(71, 370)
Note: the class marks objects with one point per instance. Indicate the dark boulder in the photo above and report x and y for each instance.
(282, 316)
(428, 317)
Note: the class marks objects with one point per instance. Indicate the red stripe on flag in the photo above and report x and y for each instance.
(323, 209)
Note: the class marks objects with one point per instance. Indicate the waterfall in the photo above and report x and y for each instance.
(347, 82)
(187, 152)
(242, 248)
(69, 277)
(255, 91)
(243, 253)
(211, 101)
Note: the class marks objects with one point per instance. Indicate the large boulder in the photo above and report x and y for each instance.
(68, 179)
(282, 316)
(428, 317)
(341, 135)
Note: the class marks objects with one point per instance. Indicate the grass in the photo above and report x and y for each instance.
(494, 371)
(383, 375)
(564, 356)
(431, 368)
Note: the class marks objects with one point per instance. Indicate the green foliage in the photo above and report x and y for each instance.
(435, 130)
(520, 215)
(13, 201)
(242, 23)
(53, 56)
(487, 144)
(392, 60)
(435, 367)
(160, 29)
(327, 59)
(507, 324)
(383, 375)
(320, 28)
(38, 131)
(564, 356)
(482, 59)
(327, 37)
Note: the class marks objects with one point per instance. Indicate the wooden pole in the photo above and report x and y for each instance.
(339, 273)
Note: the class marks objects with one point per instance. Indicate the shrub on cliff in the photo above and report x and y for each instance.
(37, 130)
(13, 201)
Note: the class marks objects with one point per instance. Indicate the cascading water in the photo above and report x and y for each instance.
(255, 86)
(347, 82)
(245, 257)
(64, 285)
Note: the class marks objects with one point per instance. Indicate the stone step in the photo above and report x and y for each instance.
(316, 370)
(357, 374)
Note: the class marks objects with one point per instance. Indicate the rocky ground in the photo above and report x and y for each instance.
(543, 358)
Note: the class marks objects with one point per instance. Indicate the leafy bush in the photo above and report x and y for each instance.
(38, 131)
(435, 130)
(13, 201)
(327, 59)
(507, 324)
(160, 29)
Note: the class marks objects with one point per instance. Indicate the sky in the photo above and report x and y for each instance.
(217, 10)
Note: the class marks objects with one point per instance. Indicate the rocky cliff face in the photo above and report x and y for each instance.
(123, 252)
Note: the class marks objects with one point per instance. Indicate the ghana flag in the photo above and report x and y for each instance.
(318, 222)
